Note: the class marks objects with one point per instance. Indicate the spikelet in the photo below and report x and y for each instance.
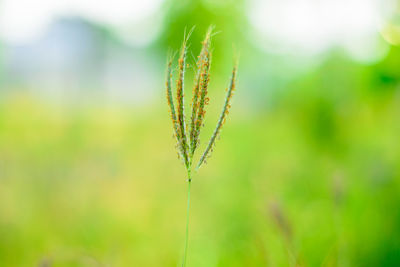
(205, 79)
(181, 135)
(200, 90)
(170, 101)
(222, 117)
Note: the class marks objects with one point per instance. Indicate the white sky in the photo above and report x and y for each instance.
(309, 25)
(24, 20)
(315, 25)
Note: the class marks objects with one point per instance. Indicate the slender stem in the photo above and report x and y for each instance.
(187, 220)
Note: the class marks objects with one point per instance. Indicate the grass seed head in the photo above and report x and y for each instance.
(188, 139)
(181, 135)
(222, 117)
(170, 102)
(200, 83)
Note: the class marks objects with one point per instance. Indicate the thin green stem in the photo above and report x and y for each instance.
(187, 220)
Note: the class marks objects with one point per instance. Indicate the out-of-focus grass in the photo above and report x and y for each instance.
(102, 186)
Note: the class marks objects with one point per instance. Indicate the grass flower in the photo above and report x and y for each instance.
(188, 137)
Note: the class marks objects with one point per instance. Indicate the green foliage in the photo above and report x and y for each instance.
(101, 185)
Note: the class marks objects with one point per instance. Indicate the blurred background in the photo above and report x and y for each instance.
(307, 169)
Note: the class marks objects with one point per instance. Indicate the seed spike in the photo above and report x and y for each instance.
(170, 101)
(200, 90)
(180, 99)
(222, 117)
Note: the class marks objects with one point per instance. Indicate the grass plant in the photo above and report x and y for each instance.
(187, 135)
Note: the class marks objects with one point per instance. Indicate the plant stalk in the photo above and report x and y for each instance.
(187, 220)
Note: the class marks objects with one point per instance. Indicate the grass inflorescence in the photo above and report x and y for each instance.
(187, 135)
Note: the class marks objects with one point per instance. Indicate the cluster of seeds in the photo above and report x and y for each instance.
(188, 137)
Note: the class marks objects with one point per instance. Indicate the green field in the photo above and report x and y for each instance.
(103, 187)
